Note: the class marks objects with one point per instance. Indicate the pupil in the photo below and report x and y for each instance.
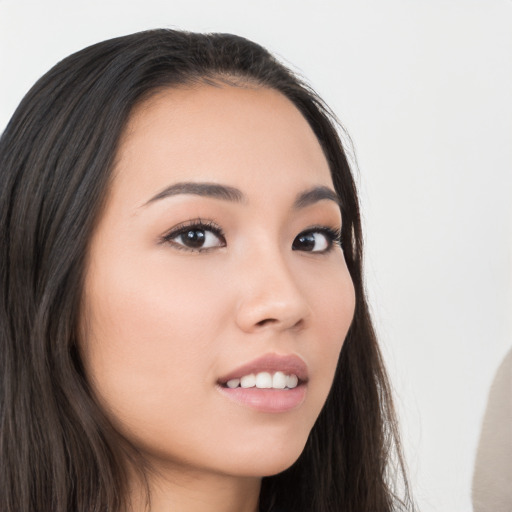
(307, 242)
(193, 238)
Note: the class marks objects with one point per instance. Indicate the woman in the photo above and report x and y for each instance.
(184, 325)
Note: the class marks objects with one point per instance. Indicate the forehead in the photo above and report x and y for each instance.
(244, 136)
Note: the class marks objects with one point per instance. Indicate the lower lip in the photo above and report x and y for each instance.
(267, 400)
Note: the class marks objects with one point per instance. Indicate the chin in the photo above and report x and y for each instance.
(270, 460)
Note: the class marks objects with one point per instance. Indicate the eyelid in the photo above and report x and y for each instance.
(335, 231)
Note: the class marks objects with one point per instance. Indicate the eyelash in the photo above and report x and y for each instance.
(333, 235)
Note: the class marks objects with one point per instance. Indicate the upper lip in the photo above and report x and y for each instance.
(289, 364)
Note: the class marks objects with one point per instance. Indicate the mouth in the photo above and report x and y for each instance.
(272, 383)
(264, 380)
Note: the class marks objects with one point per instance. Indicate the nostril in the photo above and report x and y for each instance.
(269, 321)
(266, 321)
(299, 324)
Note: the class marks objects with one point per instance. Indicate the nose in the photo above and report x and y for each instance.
(270, 296)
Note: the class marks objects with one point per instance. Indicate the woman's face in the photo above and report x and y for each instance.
(214, 260)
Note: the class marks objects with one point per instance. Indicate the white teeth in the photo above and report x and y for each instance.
(279, 380)
(233, 383)
(265, 380)
(291, 381)
(248, 381)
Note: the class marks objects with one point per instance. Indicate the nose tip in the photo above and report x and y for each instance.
(273, 301)
(264, 313)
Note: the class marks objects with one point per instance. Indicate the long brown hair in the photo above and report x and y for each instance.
(58, 452)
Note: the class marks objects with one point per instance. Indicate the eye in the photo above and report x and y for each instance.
(319, 240)
(196, 236)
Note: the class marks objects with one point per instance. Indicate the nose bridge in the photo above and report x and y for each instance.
(269, 295)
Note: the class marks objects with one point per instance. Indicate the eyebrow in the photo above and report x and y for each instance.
(227, 193)
(314, 195)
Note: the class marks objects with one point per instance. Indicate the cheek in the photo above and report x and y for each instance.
(147, 337)
(334, 304)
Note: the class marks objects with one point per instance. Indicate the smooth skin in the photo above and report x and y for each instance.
(166, 315)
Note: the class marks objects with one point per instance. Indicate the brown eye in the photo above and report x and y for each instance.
(196, 237)
(316, 240)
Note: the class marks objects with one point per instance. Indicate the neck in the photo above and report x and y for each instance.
(194, 492)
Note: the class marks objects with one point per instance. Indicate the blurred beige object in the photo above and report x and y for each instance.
(492, 477)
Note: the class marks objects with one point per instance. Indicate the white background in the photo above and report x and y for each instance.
(424, 89)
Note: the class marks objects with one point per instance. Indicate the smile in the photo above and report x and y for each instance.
(272, 383)
(265, 380)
